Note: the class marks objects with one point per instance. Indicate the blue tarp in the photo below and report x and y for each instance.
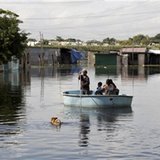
(76, 55)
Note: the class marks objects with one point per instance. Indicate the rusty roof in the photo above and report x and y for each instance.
(133, 50)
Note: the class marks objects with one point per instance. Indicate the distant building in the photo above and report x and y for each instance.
(65, 43)
(107, 59)
(49, 56)
(153, 57)
(133, 56)
(32, 43)
(140, 56)
(129, 56)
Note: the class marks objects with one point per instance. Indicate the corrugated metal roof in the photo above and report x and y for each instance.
(133, 50)
(154, 51)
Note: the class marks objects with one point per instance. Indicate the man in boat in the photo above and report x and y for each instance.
(84, 82)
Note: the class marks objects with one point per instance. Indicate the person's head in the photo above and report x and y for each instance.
(99, 84)
(109, 81)
(84, 71)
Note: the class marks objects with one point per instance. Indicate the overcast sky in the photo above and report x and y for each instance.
(87, 19)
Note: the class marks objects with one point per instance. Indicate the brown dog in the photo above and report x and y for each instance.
(55, 121)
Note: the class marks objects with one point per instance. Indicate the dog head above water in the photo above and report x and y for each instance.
(55, 121)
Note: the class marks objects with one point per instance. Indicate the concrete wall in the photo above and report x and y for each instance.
(141, 59)
(91, 58)
(124, 59)
(45, 56)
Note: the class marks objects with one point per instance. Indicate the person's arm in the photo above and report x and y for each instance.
(80, 77)
(105, 88)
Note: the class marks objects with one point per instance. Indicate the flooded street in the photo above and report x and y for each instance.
(28, 101)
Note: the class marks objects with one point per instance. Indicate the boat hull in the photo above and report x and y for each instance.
(74, 98)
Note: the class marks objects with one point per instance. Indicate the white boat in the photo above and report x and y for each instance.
(75, 98)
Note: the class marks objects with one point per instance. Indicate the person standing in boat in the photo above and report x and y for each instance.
(110, 88)
(84, 82)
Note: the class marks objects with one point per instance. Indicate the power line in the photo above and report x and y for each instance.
(47, 2)
(91, 16)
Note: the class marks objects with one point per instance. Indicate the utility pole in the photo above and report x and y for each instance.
(42, 51)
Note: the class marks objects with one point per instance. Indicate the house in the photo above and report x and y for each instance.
(107, 63)
(49, 56)
(69, 56)
(133, 56)
(32, 42)
(140, 56)
(153, 57)
(106, 59)
(39, 56)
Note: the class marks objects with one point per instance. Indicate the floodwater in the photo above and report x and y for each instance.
(29, 99)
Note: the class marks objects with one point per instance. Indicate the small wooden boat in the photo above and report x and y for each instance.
(75, 98)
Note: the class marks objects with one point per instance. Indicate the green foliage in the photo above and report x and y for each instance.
(156, 39)
(125, 42)
(93, 42)
(140, 39)
(31, 39)
(59, 39)
(45, 42)
(137, 40)
(12, 39)
(71, 40)
(110, 41)
(157, 36)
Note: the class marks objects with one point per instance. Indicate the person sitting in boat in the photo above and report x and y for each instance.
(99, 90)
(110, 88)
(84, 82)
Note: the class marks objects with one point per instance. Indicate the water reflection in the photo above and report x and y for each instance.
(107, 120)
(23, 111)
(84, 130)
(12, 102)
(141, 72)
(113, 114)
(69, 70)
(55, 71)
(106, 70)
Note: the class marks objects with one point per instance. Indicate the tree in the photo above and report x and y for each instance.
(12, 40)
(157, 36)
(45, 42)
(156, 39)
(125, 42)
(32, 40)
(59, 39)
(71, 40)
(137, 40)
(93, 42)
(146, 40)
(110, 41)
